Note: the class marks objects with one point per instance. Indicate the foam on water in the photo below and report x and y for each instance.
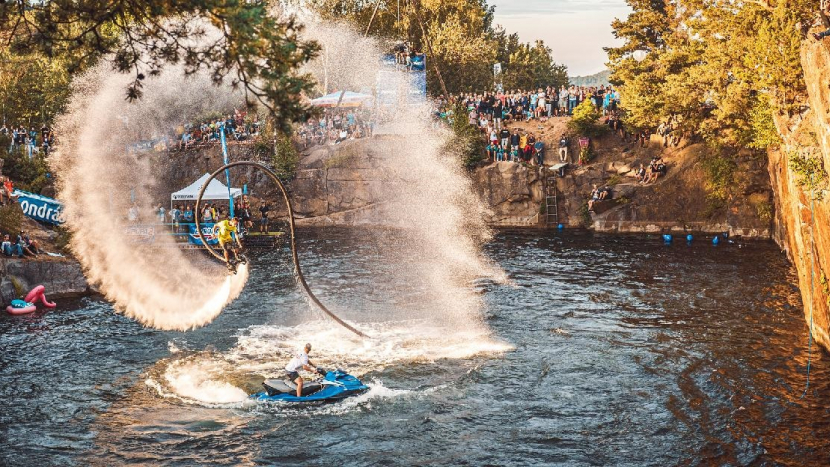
(262, 351)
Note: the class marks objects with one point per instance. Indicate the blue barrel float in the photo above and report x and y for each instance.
(560, 227)
(667, 238)
(716, 240)
(689, 238)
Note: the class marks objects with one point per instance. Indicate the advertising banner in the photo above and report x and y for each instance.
(39, 208)
(140, 233)
(207, 231)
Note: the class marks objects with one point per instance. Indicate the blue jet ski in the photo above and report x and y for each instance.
(334, 386)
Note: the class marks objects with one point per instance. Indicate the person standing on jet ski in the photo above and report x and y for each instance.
(225, 231)
(300, 361)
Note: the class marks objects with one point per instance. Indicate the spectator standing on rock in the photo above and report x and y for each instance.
(563, 149)
(563, 101)
(504, 134)
(515, 139)
(497, 113)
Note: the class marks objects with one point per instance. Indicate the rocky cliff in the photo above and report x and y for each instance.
(60, 277)
(803, 211)
(346, 184)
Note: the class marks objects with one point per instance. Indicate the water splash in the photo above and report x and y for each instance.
(101, 178)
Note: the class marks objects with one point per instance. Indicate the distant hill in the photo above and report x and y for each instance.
(598, 79)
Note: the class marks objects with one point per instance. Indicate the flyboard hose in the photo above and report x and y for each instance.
(298, 273)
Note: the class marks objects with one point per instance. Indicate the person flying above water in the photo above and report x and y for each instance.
(225, 232)
(300, 361)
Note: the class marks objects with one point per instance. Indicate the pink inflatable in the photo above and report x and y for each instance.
(37, 294)
(21, 308)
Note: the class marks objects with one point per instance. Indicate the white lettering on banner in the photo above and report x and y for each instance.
(39, 212)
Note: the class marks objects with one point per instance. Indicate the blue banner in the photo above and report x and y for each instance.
(207, 231)
(39, 208)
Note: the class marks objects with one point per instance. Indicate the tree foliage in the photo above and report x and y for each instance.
(584, 121)
(719, 68)
(243, 43)
(33, 88)
(464, 41)
(466, 141)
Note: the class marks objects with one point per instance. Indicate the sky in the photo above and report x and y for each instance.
(576, 30)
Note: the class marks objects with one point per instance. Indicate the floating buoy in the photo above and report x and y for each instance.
(667, 238)
(715, 240)
(689, 238)
(560, 227)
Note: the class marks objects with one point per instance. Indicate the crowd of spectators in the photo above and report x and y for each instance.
(31, 140)
(239, 128)
(493, 112)
(334, 127)
(498, 109)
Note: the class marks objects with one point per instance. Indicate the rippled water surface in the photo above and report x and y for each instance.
(603, 351)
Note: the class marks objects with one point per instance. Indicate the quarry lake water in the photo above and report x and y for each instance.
(602, 351)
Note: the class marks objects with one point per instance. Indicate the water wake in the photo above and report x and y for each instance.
(211, 379)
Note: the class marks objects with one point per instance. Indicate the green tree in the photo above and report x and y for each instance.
(464, 42)
(243, 43)
(467, 141)
(721, 69)
(532, 67)
(33, 88)
(584, 121)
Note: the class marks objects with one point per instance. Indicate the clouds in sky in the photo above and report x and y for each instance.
(576, 30)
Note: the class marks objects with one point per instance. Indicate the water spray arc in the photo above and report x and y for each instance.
(298, 273)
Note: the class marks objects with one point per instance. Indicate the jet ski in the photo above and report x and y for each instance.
(335, 385)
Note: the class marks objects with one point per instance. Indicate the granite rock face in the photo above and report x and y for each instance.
(512, 192)
(803, 217)
(64, 277)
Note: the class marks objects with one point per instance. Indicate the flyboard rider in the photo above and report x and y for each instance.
(225, 232)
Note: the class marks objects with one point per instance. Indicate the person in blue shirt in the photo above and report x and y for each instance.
(539, 148)
(187, 216)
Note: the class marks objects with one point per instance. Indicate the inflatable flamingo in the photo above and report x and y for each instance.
(38, 294)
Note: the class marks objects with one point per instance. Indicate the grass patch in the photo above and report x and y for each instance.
(764, 210)
(585, 215)
(720, 173)
(11, 219)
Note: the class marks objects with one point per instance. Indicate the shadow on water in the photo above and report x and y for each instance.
(623, 351)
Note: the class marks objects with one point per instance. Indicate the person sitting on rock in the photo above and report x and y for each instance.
(641, 174)
(9, 248)
(595, 196)
(28, 246)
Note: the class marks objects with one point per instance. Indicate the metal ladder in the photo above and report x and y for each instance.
(551, 202)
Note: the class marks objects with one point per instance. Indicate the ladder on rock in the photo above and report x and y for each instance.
(551, 202)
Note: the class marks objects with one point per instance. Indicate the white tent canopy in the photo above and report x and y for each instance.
(215, 191)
